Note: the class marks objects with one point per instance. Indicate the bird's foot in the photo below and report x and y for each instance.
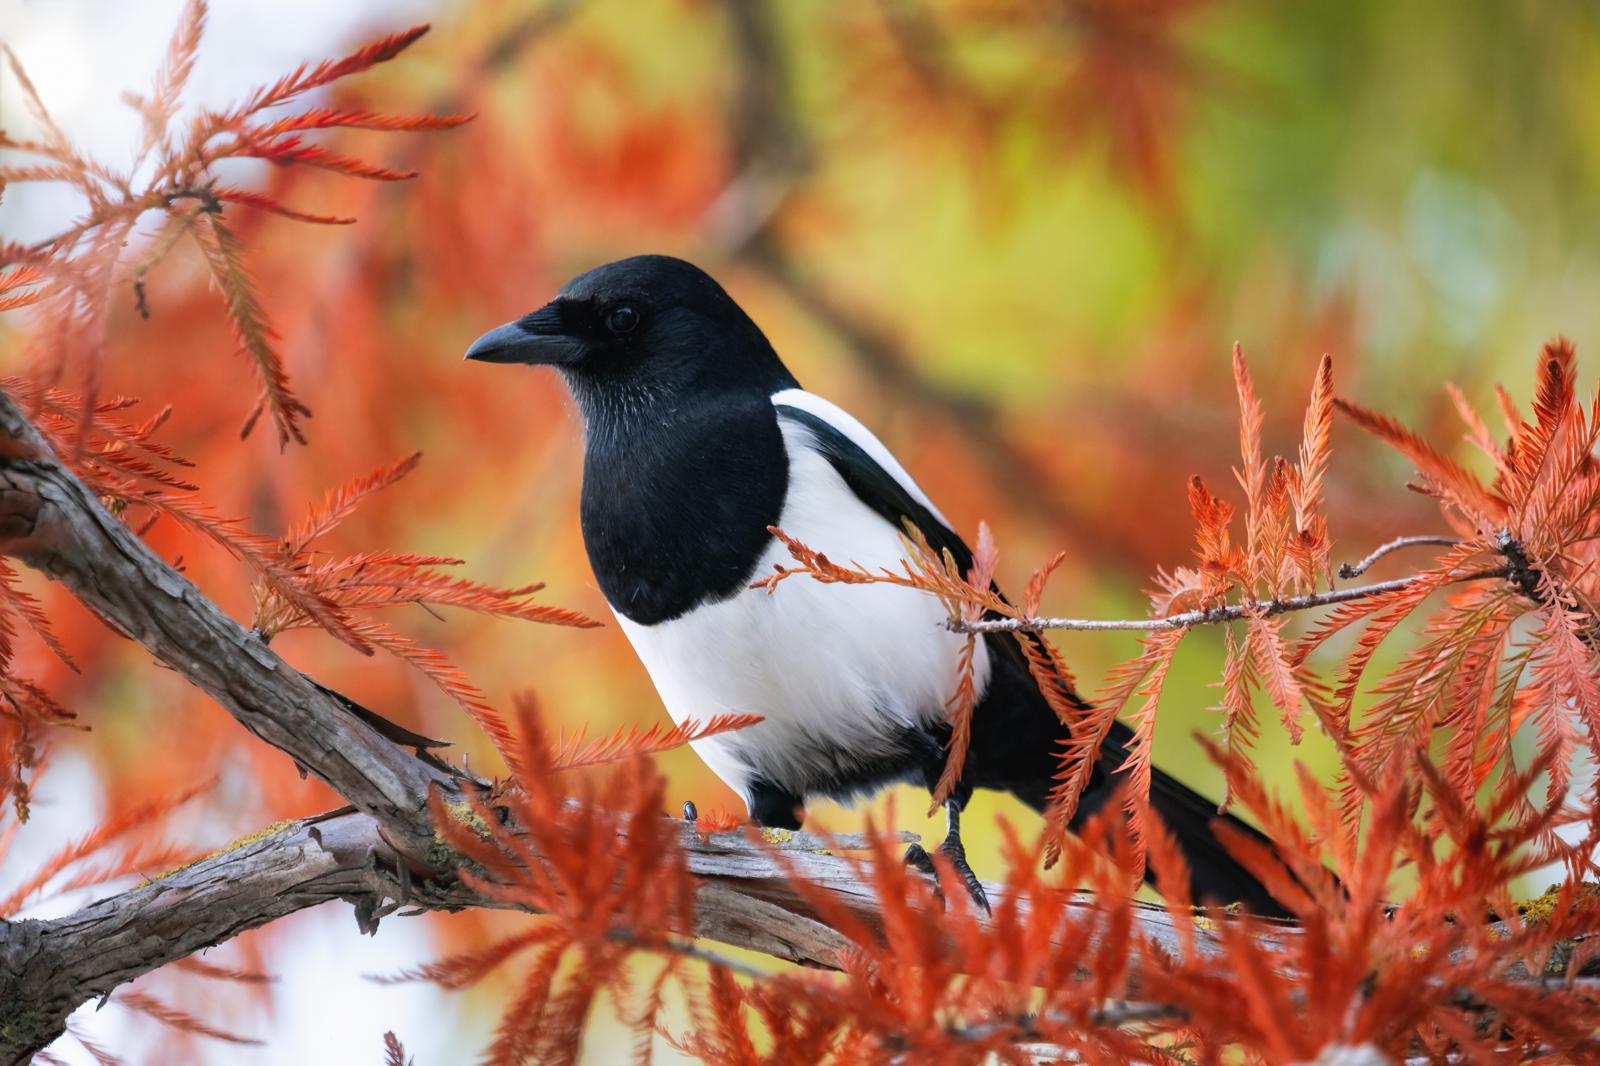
(955, 854)
(710, 820)
(917, 858)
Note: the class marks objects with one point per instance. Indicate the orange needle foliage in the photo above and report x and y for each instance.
(69, 277)
(1434, 792)
(603, 863)
(78, 264)
(939, 982)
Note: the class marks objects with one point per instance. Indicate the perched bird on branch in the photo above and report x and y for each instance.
(697, 440)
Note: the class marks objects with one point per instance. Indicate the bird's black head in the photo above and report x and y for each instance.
(639, 333)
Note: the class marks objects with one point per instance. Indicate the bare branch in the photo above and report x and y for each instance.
(747, 897)
(48, 968)
(1350, 570)
(1212, 615)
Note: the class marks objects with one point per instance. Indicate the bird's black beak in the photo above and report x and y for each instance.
(537, 339)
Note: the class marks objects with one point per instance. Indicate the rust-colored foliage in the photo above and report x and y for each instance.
(182, 1020)
(1437, 801)
(600, 860)
(350, 587)
(71, 276)
(632, 742)
(76, 267)
(1520, 647)
(86, 861)
(394, 1052)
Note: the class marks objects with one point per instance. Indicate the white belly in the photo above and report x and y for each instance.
(838, 671)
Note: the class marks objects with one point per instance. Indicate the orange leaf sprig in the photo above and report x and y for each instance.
(602, 863)
(353, 586)
(629, 742)
(76, 270)
(69, 868)
(1537, 518)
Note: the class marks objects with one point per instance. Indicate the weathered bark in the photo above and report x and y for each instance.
(747, 897)
(51, 521)
(48, 968)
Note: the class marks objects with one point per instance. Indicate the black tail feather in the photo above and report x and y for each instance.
(1016, 746)
(1215, 876)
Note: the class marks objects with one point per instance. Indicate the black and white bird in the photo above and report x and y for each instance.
(697, 440)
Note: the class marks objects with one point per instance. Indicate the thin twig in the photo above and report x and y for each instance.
(1349, 570)
(1212, 615)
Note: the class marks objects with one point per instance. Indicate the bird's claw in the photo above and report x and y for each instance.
(917, 858)
(955, 853)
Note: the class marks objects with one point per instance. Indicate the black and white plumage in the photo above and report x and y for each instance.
(697, 439)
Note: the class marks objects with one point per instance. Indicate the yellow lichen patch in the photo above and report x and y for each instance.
(251, 838)
(776, 836)
(440, 854)
(1202, 922)
(463, 812)
(275, 827)
(1541, 907)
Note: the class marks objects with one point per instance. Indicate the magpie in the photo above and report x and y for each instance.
(697, 441)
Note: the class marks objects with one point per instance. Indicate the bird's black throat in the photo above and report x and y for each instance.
(677, 497)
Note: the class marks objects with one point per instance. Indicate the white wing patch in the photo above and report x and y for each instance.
(847, 424)
(838, 671)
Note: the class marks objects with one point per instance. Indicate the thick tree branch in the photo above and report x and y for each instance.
(48, 968)
(747, 897)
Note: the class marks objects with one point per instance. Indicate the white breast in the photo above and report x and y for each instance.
(837, 670)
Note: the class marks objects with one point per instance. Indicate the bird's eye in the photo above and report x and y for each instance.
(622, 319)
